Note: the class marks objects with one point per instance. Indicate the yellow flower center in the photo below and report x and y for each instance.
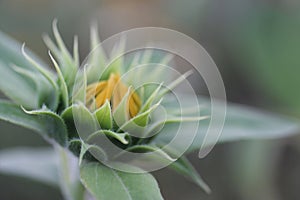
(114, 91)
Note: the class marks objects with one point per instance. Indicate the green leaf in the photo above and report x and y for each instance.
(120, 115)
(43, 91)
(104, 116)
(46, 123)
(136, 125)
(68, 118)
(69, 65)
(150, 99)
(102, 143)
(40, 164)
(185, 168)
(10, 53)
(46, 74)
(105, 184)
(88, 151)
(97, 58)
(53, 123)
(147, 55)
(74, 145)
(157, 73)
(150, 154)
(79, 88)
(62, 83)
(85, 123)
(76, 51)
(168, 128)
(246, 122)
(121, 137)
(175, 83)
(18, 88)
(181, 165)
(116, 59)
(242, 122)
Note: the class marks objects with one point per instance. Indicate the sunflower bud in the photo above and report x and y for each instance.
(113, 90)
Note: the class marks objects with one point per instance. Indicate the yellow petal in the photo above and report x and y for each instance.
(113, 90)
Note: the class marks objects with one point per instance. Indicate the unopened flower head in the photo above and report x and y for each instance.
(119, 105)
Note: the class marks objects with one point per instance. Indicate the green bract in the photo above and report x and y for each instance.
(54, 104)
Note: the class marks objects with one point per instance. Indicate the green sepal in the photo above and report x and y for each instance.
(104, 116)
(84, 122)
(97, 58)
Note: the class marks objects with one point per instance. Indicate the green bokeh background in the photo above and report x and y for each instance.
(255, 44)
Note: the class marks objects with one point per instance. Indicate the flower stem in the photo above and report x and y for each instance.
(70, 184)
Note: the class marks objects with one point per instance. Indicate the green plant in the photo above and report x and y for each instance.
(74, 109)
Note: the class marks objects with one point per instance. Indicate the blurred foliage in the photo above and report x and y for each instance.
(267, 49)
(15, 188)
